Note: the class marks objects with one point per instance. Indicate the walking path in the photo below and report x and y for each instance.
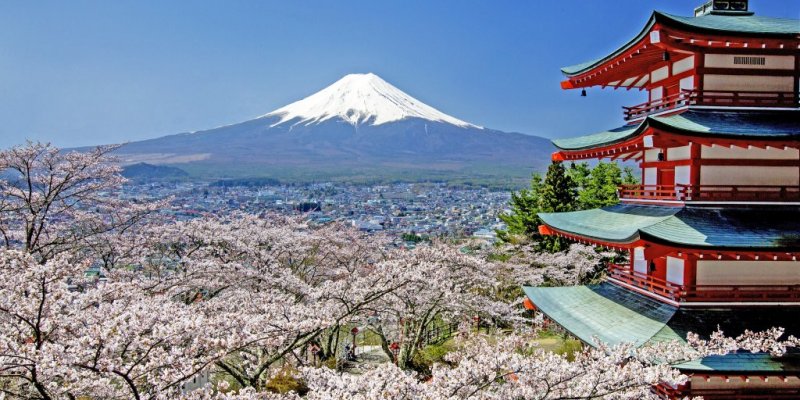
(367, 357)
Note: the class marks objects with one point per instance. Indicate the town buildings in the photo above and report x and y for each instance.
(423, 209)
(713, 231)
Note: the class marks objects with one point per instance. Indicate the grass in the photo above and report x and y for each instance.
(559, 343)
(285, 381)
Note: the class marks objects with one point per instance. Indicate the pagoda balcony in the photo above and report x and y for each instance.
(657, 286)
(710, 193)
(711, 98)
(702, 293)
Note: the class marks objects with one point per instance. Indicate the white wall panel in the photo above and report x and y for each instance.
(659, 74)
(650, 176)
(683, 65)
(675, 270)
(639, 263)
(749, 154)
(748, 272)
(741, 83)
(770, 62)
(683, 175)
(740, 175)
(679, 153)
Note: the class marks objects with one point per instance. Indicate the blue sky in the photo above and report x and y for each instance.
(90, 72)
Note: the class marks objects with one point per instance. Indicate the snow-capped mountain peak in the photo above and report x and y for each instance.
(361, 99)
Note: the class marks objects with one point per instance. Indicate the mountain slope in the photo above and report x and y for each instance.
(359, 126)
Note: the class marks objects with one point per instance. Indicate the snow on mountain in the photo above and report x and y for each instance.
(361, 99)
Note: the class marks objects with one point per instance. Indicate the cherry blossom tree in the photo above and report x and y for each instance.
(62, 335)
(288, 283)
(53, 201)
(442, 285)
(527, 266)
(511, 367)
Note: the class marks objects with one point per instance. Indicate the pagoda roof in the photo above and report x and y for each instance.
(745, 228)
(743, 362)
(761, 125)
(736, 25)
(614, 315)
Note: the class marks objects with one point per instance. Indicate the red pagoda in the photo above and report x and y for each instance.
(713, 231)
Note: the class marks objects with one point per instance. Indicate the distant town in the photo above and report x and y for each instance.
(408, 211)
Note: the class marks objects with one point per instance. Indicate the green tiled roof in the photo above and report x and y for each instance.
(760, 124)
(745, 24)
(615, 315)
(779, 125)
(620, 223)
(694, 227)
(597, 139)
(751, 25)
(606, 312)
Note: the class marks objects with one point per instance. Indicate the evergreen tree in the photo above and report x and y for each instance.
(600, 190)
(628, 178)
(578, 187)
(557, 192)
(523, 220)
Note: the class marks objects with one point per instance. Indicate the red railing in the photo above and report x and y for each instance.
(771, 393)
(703, 293)
(711, 98)
(772, 193)
(680, 99)
(652, 284)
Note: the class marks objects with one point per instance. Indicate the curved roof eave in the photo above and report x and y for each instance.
(786, 124)
(578, 69)
(702, 228)
(758, 26)
(625, 135)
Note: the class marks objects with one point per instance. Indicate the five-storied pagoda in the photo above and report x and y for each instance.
(713, 231)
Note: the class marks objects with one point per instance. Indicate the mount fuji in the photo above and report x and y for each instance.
(360, 127)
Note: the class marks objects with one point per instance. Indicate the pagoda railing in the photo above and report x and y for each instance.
(711, 98)
(658, 286)
(721, 193)
(680, 99)
(703, 293)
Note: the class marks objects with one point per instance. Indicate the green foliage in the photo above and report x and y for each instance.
(559, 343)
(415, 238)
(628, 178)
(432, 354)
(563, 189)
(524, 205)
(598, 185)
(286, 381)
(557, 192)
(569, 347)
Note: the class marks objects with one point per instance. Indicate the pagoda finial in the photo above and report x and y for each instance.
(723, 7)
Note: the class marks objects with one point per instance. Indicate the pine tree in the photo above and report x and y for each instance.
(600, 189)
(578, 187)
(523, 219)
(559, 193)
